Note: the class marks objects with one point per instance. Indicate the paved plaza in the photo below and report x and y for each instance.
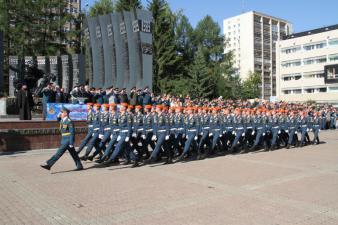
(295, 186)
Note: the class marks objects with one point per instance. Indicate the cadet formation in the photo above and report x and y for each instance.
(141, 135)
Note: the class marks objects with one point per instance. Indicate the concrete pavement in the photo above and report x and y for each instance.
(295, 186)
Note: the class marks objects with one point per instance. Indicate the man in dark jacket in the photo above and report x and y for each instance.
(59, 96)
(133, 97)
(146, 96)
(48, 97)
(123, 96)
(25, 103)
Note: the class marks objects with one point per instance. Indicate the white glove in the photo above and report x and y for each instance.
(201, 133)
(143, 137)
(307, 129)
(279, 132)
(187, 136)
(319, 130)
(263, 134)
(210, 134)
(183, 135)
(167, 137)
(134, 135)
(253, 133)
(243, 134)
(311, 129)
(287, 131)
(195, 138)
(220, 135)
(233, 132)
(118, 138)
(127, 139)
(111, 136)
(92, 135)
(153, 138)
(71, 146)
(100, 136)
(296, 132)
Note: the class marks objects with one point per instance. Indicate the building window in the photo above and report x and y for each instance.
(314, 60)
(332, 73)
(333, 42)
(292, 63)
(314, 46)
(291, 50)
(297, 91)
(333, 57)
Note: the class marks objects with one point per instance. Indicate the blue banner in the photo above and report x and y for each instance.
(77, 111)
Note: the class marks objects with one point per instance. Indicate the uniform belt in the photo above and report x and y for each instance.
(192, 130)
(217, 129)
(172, 129)
(66, 134)
(249, 127)
(96, 128)
(108, 128)
(125, 131)
(229, 127)
(149, 130)
(116, 130)
(240, 128)
(276, 127)
(180, 128)
(141, 129)
(90, 125)
(316, 125)
(304, 125)
(259, 128)
(291, 127)
(161, 130)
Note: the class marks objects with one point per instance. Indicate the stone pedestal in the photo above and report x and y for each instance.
(3, 107)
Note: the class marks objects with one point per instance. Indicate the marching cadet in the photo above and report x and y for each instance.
(67, 131)
(215, 130)
(249, 131)
(179, 130)
(205, 128)
(147, 130)
(122, 146)
(190, 122)
(115, 131)
(292, 123)
(228, 128)
(259, 122)
(238, 130)
(90, 117)
(333, 117)
(316, 128)
(105, 133)
(94, 141)
(303, 123)
(137, 132)
(172, 132)
(283, 126)
(268, 133)
(275, 130)
(161, 133)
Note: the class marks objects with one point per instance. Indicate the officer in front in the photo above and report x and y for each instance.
(67, 131)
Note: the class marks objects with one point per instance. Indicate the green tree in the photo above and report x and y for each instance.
(164, 49)
(184, 35)
(128, 5)
(251, 86)
(200, 82)
(101, 7)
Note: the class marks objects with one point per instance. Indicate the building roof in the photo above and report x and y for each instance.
(310, 32)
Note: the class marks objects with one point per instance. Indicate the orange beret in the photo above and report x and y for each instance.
(112, 105)
(148, 106)
(124, 104)
(97, 104)
(90, 103)
(105, 105)
(159, 106)
(130, 107)
(138, 107)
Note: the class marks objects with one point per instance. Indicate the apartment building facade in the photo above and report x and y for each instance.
(252, 38)
(307, 66)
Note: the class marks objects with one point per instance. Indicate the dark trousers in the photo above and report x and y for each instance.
(63, 148)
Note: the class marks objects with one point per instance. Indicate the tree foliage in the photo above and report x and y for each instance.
(101, 7)
(128, 5)
(251, 85)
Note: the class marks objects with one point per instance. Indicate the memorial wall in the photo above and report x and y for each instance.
(120, 49)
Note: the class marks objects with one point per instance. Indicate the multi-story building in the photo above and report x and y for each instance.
(252, 38)
(307, 66)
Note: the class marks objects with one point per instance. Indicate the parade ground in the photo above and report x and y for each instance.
(295, 186)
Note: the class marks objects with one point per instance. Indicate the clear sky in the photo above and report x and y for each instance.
(303, 14)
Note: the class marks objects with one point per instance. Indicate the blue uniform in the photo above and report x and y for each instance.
(90, 117)
(67, 143)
